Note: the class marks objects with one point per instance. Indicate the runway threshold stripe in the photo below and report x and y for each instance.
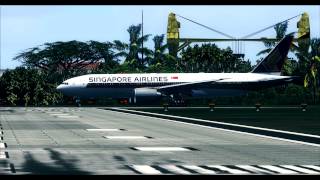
(279, 169)
(303, 170)
(219, 171)
(127, 137)
(312, 167)
(232, 171)
(161, 169)
(222, 169)
(199, 169)
(2, 145)
(255, 169)
(162, 149)
(145, 169)
(239, 168)
(4, 155)
(174, 169)
(105, 130)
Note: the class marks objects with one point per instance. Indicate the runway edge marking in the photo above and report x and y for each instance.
(163, 117)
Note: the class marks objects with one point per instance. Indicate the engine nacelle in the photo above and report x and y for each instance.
(142, 95)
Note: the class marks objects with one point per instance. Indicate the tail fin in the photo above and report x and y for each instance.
(274, 61)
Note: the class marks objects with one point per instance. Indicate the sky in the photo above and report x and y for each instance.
(24, 27)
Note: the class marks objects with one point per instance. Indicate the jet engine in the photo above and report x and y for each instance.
(145, 95)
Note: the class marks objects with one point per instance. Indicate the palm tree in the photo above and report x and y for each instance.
(312, 76)
(281, 30)
(132, 52)
(159, 60)
(159, 50)
(312, 62)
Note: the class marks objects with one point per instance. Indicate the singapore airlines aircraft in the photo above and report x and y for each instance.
(140, 87)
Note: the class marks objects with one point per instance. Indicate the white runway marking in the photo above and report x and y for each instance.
(254, 169)
(104, 130)
(144, 169)
(219, 169)
(278, 169)
(54, 112)
(50, 110)
(232, 171)
(237, 125)
(59, 114)
(126, 137)
(68, 116)
(175, 169)
(3, 155)
(312, 166)
(304, 170)
(199, 169)
(161, 149)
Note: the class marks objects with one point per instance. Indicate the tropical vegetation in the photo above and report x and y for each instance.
(45, 66)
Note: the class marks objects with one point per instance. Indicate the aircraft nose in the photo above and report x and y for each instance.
(60, 87)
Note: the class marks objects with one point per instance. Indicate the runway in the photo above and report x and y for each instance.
(97, 141)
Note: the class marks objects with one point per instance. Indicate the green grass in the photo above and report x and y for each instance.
(288, 119)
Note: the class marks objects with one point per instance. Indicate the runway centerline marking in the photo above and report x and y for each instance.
(127, 137)
(68, 116)
(59, 114)
(102, 130)
(162, 148)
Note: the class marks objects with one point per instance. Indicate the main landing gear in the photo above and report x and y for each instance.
(176, 100)
(77, 102)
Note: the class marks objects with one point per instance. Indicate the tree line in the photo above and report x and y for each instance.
(45, 66)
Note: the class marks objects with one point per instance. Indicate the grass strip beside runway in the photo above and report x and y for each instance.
(288, 119)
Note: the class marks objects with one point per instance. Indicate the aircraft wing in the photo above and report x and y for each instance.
(185, 86)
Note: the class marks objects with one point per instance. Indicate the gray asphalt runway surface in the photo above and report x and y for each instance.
(97, 141)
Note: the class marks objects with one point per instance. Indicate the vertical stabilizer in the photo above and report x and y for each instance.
(274, 61)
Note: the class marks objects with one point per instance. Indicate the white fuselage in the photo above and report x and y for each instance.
(126, 85)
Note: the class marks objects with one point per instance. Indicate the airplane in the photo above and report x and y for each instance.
(154, 86)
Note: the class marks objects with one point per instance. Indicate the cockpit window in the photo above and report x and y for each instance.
(65, 83)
